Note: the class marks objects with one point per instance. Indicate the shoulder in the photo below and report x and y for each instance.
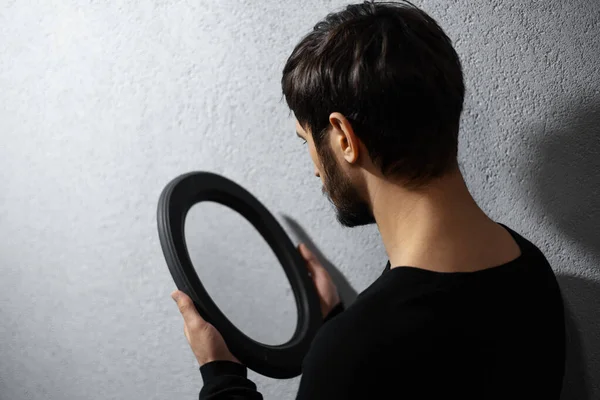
(365, 333)
(341, 338)
(338, 356)
(352, 357)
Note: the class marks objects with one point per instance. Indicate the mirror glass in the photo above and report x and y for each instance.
(241, 273)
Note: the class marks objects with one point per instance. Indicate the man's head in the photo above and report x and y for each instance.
(377, 90)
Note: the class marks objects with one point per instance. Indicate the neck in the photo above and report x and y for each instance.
(433, 227)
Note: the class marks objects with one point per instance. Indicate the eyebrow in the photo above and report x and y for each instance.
(299, 135)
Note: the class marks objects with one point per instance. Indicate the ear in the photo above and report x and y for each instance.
(343, 138)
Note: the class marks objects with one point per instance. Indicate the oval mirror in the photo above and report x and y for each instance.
(241, 273)
(230, 261)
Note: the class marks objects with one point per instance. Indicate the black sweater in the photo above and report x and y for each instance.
(496, 333)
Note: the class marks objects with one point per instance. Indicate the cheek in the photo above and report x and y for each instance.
(313, 155)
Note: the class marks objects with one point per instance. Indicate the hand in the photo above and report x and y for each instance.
(205, 340)
(328, 293)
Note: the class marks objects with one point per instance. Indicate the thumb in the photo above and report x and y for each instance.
(187, 308)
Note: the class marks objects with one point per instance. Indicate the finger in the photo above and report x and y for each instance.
(307, 254)
(310, 263)
(188, 310)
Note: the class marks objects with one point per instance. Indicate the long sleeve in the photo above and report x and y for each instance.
(229, 380)
(334, 311)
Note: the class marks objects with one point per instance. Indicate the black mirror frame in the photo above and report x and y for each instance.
(281, 361)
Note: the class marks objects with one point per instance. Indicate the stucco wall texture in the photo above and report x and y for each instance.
(103, 103)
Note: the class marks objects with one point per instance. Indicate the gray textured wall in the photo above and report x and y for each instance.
(102, 103)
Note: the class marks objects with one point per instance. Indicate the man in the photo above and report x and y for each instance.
(466, 308)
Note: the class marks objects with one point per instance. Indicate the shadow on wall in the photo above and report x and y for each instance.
(566, 185)
(346, 292)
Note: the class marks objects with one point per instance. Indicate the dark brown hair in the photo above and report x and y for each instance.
(392, 72)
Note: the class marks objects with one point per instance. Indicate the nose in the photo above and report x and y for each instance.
(317, 173)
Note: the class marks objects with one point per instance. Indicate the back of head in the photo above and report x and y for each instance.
(392, 72)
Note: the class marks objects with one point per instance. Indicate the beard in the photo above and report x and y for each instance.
(351, 209)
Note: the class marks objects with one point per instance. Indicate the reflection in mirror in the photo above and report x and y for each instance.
(241, 273)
